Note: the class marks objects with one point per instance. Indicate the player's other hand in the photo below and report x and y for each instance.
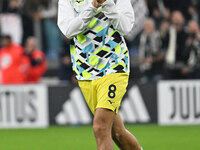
(97, 3)
(101, 1)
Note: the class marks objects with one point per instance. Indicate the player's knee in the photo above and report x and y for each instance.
(117, 134)
(99, 130)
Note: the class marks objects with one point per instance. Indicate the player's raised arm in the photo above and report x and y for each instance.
(71, 24)
(121, 15)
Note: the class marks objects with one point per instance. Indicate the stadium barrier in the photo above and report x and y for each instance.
(67, 105)
(179, 102)
(24, 106)
(33, 106)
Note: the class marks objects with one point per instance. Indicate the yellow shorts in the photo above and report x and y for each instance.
(106, 92)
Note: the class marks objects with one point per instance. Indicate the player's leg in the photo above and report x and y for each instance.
(110, 91)
(122, 137)
(102, 126)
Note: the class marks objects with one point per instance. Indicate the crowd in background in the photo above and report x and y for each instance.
(24, 18)
(21, 65)
(169, 45)
(167, 48)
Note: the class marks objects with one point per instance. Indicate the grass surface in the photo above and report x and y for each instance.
(151, 137)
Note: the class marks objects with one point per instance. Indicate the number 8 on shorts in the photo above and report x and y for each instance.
(112, 89)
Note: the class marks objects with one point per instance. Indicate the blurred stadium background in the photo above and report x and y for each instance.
(41, 107)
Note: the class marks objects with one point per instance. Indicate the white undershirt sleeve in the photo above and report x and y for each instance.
(121, 15)
(71, 24)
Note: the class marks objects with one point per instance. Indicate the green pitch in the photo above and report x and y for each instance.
(151, 137)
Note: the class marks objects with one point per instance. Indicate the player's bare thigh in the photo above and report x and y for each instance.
(103, 121)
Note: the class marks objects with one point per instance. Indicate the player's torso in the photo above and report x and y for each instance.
(100, 50)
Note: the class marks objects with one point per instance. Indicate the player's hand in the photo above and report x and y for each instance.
(97, 3)
(101, 1)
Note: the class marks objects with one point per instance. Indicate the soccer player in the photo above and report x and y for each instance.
(101, 62)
